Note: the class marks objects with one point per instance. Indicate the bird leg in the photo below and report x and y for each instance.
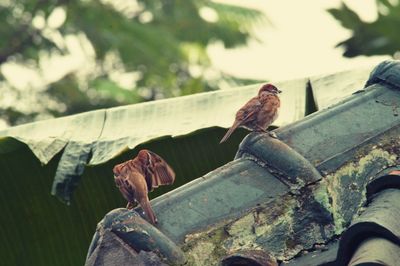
(260, 129)
(131, 205)
(272, 135)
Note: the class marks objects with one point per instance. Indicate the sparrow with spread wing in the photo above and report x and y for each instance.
(136, 177)
(259, 112)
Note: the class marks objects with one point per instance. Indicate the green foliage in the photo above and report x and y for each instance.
(159, 42)
(380, 37)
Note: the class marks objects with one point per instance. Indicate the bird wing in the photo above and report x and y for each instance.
(268, 112)
(134, 188)
(248, 112)
(125, 186)
(245, 114)
(161, 172)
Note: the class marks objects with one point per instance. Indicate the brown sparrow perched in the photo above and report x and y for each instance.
(136, 177)
(258, 113)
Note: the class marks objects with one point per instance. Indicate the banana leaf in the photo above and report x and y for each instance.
(55, 154)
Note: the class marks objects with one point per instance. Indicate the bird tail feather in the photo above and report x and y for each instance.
(145, 204)
(229, 132)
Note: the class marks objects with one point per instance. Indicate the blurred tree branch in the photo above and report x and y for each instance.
(160, 46)
(380, 37)
(20, 38)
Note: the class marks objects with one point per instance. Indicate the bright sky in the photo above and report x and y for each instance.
(299, 43)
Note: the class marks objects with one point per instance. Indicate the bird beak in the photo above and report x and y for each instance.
(279, 91)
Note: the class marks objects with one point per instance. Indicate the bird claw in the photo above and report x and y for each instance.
(273, 135)
(260, 130)
(130, 206)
